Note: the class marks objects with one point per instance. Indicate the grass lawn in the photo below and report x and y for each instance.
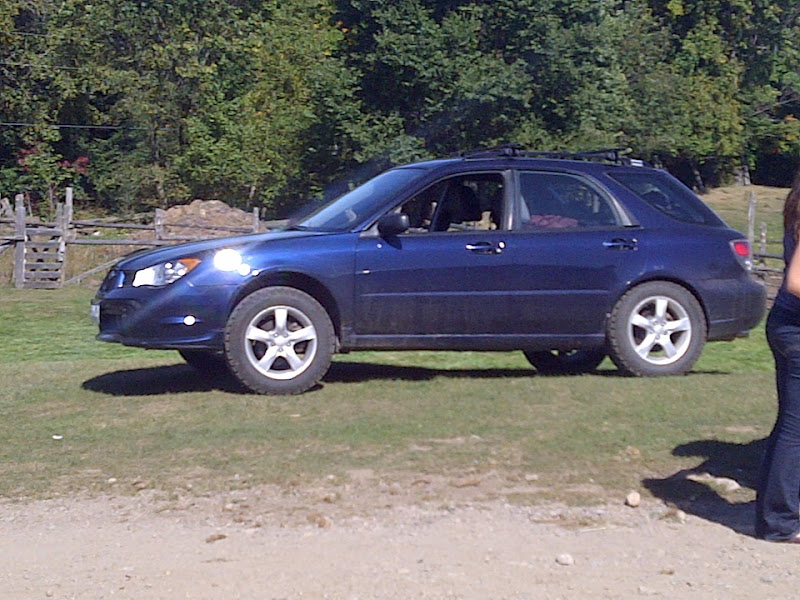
(76, 413)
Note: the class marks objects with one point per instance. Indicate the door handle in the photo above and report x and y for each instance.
(621, 244)
(486, 247)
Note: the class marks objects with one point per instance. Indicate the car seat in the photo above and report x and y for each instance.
(459, 205)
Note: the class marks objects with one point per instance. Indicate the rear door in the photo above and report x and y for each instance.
(572, 251)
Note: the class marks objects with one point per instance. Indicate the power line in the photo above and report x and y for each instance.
(50, 34)
(41, 65)
(71, 126)
(17, 32)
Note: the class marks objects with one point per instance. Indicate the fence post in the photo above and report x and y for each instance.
(751, 217)
(158, 223)
(66, 228)
(256, 224)
(19, 245)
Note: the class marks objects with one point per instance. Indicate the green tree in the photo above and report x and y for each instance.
(214, 98)
(747, 50)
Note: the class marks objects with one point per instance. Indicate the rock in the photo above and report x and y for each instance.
(565, 560)
(674, 514)
(633, 499)
(646, 591)
(724, 483)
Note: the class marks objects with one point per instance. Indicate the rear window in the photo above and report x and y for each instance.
(667, 195)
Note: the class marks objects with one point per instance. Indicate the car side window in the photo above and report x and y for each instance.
(472, 202)
(667, 195)
(561, 200)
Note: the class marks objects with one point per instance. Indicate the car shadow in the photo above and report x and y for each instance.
(353, 372)
(182, 378)
(693, 490)
(155, 381)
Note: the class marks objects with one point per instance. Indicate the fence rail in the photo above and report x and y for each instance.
(40, 247)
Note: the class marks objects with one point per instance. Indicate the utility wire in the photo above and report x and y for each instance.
(40, 65)
(69, 126)
(17, 32)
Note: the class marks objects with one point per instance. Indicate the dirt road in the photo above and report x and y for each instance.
(347, 543)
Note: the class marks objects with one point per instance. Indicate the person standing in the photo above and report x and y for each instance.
(778, 492)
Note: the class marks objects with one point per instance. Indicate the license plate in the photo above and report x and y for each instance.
(95, 312)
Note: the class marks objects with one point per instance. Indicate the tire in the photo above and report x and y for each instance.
(279, 340)
(569, 362)
(657, 328)
(206, 362)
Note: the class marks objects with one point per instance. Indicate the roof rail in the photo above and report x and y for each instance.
(612, 155)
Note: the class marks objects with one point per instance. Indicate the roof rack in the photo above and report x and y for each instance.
(612, 155)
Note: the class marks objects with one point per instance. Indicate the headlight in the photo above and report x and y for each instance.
(230, 260)
(165, 273)
(227, 259)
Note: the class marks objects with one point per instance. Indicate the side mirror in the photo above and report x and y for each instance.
(393, 224)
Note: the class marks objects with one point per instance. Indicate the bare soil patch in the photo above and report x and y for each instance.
(413, 536)
(184, 219)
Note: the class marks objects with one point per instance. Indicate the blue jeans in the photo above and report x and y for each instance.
(778, 494)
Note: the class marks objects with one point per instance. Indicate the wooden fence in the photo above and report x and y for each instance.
(767, 266)
(40, 247)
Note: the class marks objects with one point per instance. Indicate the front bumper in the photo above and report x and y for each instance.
(170, 317)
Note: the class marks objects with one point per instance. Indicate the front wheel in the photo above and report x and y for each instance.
(279, 340)
(657, 328)
(561, 362)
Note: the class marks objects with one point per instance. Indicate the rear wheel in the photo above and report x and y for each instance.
(657, 328)
(565, 362)
(279, 340)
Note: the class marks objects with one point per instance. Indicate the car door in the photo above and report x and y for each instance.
(444, 275)
(572, 251)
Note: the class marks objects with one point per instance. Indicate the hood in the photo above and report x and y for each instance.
(145, 258)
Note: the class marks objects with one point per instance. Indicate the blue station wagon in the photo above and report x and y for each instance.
(568, 258)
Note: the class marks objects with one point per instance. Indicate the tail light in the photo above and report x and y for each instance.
(743, 252)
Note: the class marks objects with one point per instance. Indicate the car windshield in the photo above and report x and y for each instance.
(356, 205)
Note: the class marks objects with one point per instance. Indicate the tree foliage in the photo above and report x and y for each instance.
(267, 102)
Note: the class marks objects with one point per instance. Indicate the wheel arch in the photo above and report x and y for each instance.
(665, 279)
(640, 340)
(299, 281)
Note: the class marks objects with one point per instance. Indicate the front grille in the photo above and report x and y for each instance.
(109, 323)
(115, 314)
